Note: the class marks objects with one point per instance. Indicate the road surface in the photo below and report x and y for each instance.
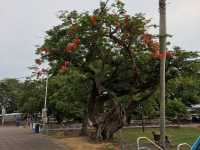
(13, 138)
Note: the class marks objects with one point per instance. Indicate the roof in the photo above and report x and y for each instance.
(12, 114)
(196, 106)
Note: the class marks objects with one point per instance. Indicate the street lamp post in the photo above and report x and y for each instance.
(3, 112)
(46, 92)
(44, 110)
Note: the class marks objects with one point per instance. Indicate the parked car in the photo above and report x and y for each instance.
(196, 118)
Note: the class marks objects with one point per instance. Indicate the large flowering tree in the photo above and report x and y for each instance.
(118, 57)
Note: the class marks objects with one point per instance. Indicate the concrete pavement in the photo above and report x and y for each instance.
(13, 138)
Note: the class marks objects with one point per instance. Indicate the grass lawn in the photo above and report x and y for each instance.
(130, 135)
(176, 135)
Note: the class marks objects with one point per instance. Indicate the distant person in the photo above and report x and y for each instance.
(28, 121)
(17, 121)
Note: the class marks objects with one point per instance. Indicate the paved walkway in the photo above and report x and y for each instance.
(12, 138)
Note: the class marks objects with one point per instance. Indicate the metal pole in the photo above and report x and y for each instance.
(162, 40)
(46, 92)
(44, 110)
(142, 115)
(3, 115)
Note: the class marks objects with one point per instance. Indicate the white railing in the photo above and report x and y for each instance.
(145, 138)
(183, 144)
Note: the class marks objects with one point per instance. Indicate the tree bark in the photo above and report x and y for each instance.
(109, 122)
(106, 121)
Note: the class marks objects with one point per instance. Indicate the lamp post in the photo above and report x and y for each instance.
(44, 110)
(3, 112)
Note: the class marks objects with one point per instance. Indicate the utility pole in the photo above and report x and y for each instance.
(162, 41)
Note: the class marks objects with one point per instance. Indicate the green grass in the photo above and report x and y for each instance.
(176, 135)
(130, 135)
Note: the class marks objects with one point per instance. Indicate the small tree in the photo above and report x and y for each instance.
(10, 91)
(176, 109)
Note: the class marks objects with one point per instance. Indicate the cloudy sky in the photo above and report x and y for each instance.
(23, 24)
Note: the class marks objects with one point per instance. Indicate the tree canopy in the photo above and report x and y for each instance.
(118, 58)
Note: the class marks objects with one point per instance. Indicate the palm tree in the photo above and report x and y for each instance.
(162, 40)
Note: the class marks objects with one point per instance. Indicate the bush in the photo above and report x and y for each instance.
(176, 109)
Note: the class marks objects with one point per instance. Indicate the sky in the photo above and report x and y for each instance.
(23, 24)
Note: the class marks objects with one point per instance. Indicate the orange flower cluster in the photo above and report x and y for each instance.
(46, 50)
(147, 39)
(77, 40)
(126, 20)
(155, 47)
(93, 20)
(64, 67)
(38, 61)
(157, 54)
(117, 25)
(73, 45)
(161, 55)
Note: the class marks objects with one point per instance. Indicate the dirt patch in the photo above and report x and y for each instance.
(73, 140)
(83, 143)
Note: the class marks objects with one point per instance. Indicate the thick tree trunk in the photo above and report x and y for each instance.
(109, 122)
(106, 121)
